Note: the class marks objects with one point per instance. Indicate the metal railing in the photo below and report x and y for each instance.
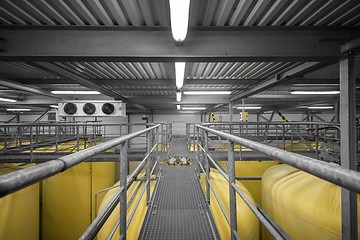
(34, 139)
(345, 178)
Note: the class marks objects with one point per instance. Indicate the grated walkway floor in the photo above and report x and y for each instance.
(178, 209)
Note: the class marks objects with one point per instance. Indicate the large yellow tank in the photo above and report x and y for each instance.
(248, 224)
(136, 223)
(68, 199)
(305, 206)
(251, 168)
(19, 211)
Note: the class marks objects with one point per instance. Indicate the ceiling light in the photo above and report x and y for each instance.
(321, 107)
(248, 107)
(207, 92)
(18, 109)
(178, 96)
(7, 100)
(54, 106)
(179, 73)
(315, 92)
(75, 92)
(178, 107)
(193, 108)
(179, 16)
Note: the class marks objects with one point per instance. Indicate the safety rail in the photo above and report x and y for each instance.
(32, 139)
(345, 178)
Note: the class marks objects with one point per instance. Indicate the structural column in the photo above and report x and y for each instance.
(230, 116)
(348, 142)
(232, 193)
(123, 183)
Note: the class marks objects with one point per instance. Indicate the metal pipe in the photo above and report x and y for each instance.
(14, 181)
(232, 194)
(248, 178)
(123, 182)
(346, 178)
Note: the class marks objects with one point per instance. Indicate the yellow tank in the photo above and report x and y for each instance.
(251, 168)
(19, 211)
(306, 207)
(248, 224)
(136, 223)
(68, 199)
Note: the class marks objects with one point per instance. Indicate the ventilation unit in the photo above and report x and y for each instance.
(92, 109)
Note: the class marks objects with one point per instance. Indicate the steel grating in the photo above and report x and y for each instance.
(178, 209)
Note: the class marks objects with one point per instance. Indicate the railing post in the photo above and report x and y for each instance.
(148, 166)
(198, 149)
(77, 138)
(232, 193)
(56, 138)
(162, 137)
(283, 136)
(123, 200)
(31, 144)
(156, 142)
(194, 141)
(207, 168)
(317, 140)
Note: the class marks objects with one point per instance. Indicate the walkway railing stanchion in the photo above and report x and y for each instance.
(123, 183)
(197, 148)
(157, 146)
(232, 192)
(148, 166)
(207, 167)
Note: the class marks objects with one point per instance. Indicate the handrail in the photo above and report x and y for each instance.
(346, 178)
(15, 181)
(270, 123)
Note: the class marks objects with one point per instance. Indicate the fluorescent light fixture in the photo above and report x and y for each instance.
(248, 107)
(54, 106)
(7, 100)
(207, 92)
(321, 107)
(178, 96)
(193, 108)
(18, 109)
(315, 92)
(178, 107)
(75, 92)
(179, 17)
(179, 74)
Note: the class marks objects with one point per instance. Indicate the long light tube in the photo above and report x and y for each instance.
(321, 107)
(76, 92)
(179, 74)
(315, 92)
(178, 96)
(207, 92)
(7, 100)
(179, 17)
(178, 107)
(54, 106)
(193, 108)
(248, 107)
(18, 109)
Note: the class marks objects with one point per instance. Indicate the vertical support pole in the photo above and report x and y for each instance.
(123, 200)
(232, 193)
(348, 142)
(283, 136)
(194, 141)
(207, 167)
(230, 116)
(317, 141)
(31, 144)
(162, 137)
(337, 116)
(148, 165)
(157, 147)
(292, 137)
(198, 149)
(77, 138)
(56, 138)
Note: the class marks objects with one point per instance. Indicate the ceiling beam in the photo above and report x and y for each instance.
(25, 88)
(80, 80)
(239, 44)
(353, 44)
(142, 107)
(161, 100)
(295, 72)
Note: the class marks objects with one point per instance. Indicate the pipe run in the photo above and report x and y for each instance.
(346, 178)
(15, 181)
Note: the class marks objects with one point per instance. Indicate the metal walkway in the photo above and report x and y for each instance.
(178, 209)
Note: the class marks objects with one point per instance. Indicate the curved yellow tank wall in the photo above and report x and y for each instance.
(136, 223)
(251, 168)
(248, 224)
(68, 199)
(19, 211)
(306, 207)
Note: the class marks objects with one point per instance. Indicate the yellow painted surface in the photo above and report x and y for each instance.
(248, 224)
(306, 207)
(251, 168)
(136, 223)
(68, 199)
(298, 145)
(19, 211)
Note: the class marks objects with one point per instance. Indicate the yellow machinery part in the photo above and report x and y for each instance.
(135, 226)
(248, 224)
(19, 211)
(251, 168)
(306, 207)
(69, 198)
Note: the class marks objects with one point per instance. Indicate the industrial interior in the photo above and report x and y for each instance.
(179, 119)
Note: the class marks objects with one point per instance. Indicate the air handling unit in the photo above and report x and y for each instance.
(92, 109)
